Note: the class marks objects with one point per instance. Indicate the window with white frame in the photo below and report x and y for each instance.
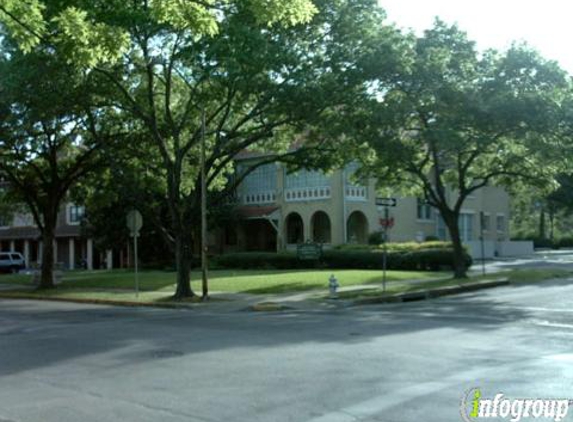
(4, 221)
(75, 214)
(23, 220)
(486, 222)
(307, 179)
(423, 210)
(442, 231)
(262, 179)
(500, 222)
(466, 226)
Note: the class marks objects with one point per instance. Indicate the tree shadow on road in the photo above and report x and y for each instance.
(34, 335)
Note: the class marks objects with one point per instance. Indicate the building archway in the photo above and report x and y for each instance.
(357, 228)
(294, 228)
(321, 231)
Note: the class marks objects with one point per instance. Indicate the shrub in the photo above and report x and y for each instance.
(376, 238)
(539, 242)
(432, 259)
(397, 246)
(565, 242)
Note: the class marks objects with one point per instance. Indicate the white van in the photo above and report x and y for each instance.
(11, 262)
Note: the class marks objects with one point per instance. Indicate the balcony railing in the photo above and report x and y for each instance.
(356, 193)
(257, 198)
(308, 194)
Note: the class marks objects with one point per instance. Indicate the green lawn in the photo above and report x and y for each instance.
(240, 281)
(157, 286)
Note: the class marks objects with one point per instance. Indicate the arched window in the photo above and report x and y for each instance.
(357, 228)
(321, 227)
(294, 228)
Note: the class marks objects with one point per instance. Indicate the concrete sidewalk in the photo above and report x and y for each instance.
(312, 300)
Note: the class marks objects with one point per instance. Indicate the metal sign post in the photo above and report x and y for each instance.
(482, 221)
(204, 244)
(136, 266)
(385, 203)
(385, 262)
(134, 224)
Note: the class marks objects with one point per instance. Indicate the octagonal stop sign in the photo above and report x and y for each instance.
(387, 222)
(134, 222)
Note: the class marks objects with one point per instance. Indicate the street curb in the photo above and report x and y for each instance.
(267, 307)
(433, 293)
(127, 304)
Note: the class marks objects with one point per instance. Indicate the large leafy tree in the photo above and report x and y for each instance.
(50, 136)
(543, 215)
(259, 71)
(458, 120)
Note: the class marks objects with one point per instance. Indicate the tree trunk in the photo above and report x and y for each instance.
(551, 224)
(183, 257)
(542, 223)
(460, 269)
(47, 271)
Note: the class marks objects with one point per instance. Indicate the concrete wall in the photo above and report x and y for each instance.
(516, 248)
(492, 201)
(474, 249)
(494, 249)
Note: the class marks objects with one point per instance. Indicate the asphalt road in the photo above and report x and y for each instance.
(393, 363)
(562, 259)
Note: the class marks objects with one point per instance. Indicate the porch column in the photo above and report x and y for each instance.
(90, 254)
(12, 246)
(27, 253)
(306, 232)
(72, 252)
(109, 259)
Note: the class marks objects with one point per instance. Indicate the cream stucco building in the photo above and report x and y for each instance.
(279, 210)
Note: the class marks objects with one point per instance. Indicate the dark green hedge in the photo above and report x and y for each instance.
(423, 259)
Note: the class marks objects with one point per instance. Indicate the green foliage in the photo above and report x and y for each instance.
(398, 246)
(400, 259)
(376, 238)
(85, 44)
(24, 21)
(565, 242)
(260, 71)
(289, 13)
(493, 114)
(457, 121)
(186, 15)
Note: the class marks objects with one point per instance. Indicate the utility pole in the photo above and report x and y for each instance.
(385, 257)
(482, 240)
(204, 258)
